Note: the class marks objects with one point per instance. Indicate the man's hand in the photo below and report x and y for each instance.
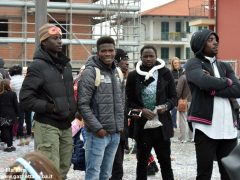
(101, 133)
(206, 72)
(148, 113)
(162, 108)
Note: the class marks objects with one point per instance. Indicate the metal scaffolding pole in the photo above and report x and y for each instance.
(40, 18)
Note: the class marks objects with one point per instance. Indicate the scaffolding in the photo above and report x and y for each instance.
(117, 18)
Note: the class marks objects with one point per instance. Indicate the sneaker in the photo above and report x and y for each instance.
(8, 149)
(183, 141)
(13, 148)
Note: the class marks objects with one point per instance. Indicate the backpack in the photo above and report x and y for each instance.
(98, 76)
(97, 80)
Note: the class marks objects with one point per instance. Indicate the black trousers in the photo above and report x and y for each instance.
(207, 150)
(6, 135)
(27, 116)
(117, 170)
(148, 139)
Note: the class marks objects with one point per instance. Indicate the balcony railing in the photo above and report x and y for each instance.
(170, 36)
(202, 10)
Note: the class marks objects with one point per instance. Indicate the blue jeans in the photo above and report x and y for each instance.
(174, 117)
(99, 154)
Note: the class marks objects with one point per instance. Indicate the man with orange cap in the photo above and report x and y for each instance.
(47, 90)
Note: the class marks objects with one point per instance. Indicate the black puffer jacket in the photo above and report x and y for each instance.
(48, 90)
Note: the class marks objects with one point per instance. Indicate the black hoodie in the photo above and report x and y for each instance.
(199, 40)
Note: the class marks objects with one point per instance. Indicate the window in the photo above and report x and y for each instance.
(178, 27)
(3, 28)
(202, 27)
(178, 52)
(187, 27)
(188, 53)
(165, 53)
(164, 30)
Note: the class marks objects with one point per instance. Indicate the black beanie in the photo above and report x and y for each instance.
(199, 39)
(120, 54)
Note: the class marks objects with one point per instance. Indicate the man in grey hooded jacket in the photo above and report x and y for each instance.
(102, 109)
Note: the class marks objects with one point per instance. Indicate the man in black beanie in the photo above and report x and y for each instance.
(212, 83)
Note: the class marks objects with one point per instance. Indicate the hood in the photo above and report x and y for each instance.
(1, 63)
(42, 54)
(94, 61)
(199, 39)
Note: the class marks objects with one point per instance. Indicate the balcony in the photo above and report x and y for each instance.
(173, 36)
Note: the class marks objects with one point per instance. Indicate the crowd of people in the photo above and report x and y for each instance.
(11, 114)
(107, 104)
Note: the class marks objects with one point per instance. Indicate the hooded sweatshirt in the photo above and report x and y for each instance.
(203, 86)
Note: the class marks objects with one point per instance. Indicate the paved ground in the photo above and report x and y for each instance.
(184, 165)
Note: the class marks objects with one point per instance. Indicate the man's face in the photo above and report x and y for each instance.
(148, 57)
(107, 53)
(123, 64)
(53, 43)
(211, 47)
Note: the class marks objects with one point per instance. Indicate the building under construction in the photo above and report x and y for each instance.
(82, 22)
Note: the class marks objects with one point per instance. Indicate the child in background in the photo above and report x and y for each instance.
(78, 134)
(9, 112)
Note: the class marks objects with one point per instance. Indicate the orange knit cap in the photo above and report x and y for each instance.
(48, 30)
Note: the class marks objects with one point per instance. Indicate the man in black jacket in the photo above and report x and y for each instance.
(213, 84)
(48, 91)
(151, 92)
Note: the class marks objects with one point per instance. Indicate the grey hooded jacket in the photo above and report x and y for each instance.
(102, 107)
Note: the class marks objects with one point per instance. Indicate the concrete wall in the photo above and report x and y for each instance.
(228, 28)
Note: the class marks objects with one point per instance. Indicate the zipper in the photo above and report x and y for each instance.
(113, 78)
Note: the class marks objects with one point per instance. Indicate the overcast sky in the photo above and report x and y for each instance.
(148, 4)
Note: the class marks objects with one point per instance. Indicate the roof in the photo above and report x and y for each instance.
(176, 8)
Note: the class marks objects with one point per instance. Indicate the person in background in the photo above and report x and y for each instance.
(3, 72)
(176, 71)
(16, 83)
(102, 109)
(151, 94)
(47, 90)
(183, 92)
(9, 112)
(121, 60)
(35, 165)
(213, 84)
